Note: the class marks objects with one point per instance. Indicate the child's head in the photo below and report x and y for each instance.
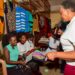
(23, 38)
(61, 26)
(12, 39)
(31, 37)
(60, 32)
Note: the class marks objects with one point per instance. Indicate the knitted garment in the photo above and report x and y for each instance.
(11, 18)
(1, 16)
(23, 20)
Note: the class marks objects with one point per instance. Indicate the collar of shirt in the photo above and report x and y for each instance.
(72, 20)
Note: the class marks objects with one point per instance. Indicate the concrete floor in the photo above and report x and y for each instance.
(46, 71)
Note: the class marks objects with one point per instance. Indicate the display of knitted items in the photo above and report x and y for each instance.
(11, 18)
(1, 27)
(24, 20)
(44, 26)
(40, 5)
(20, 1)
(36, 24)
(11, 4)
(1, 17)
(38, 55)
(1, 8)
(30, 21)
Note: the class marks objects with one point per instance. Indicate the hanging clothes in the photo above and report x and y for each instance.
(5, 17)
(20, 19)
(30, 21)
(1, 8)
(40, 5)
(11, 24)
(1, 17)
(11, 4)
(44, 26)
(1, 27)
(36, 24)
(23, 17)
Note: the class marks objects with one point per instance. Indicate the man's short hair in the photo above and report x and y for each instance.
(69, 4)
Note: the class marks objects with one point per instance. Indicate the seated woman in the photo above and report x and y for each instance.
(26, 47)
(11, 53)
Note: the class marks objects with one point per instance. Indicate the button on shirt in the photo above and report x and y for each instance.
(68, 37)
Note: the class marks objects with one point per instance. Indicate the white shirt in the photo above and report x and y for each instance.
(23, 48)
(69, 35)
(53, 44)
